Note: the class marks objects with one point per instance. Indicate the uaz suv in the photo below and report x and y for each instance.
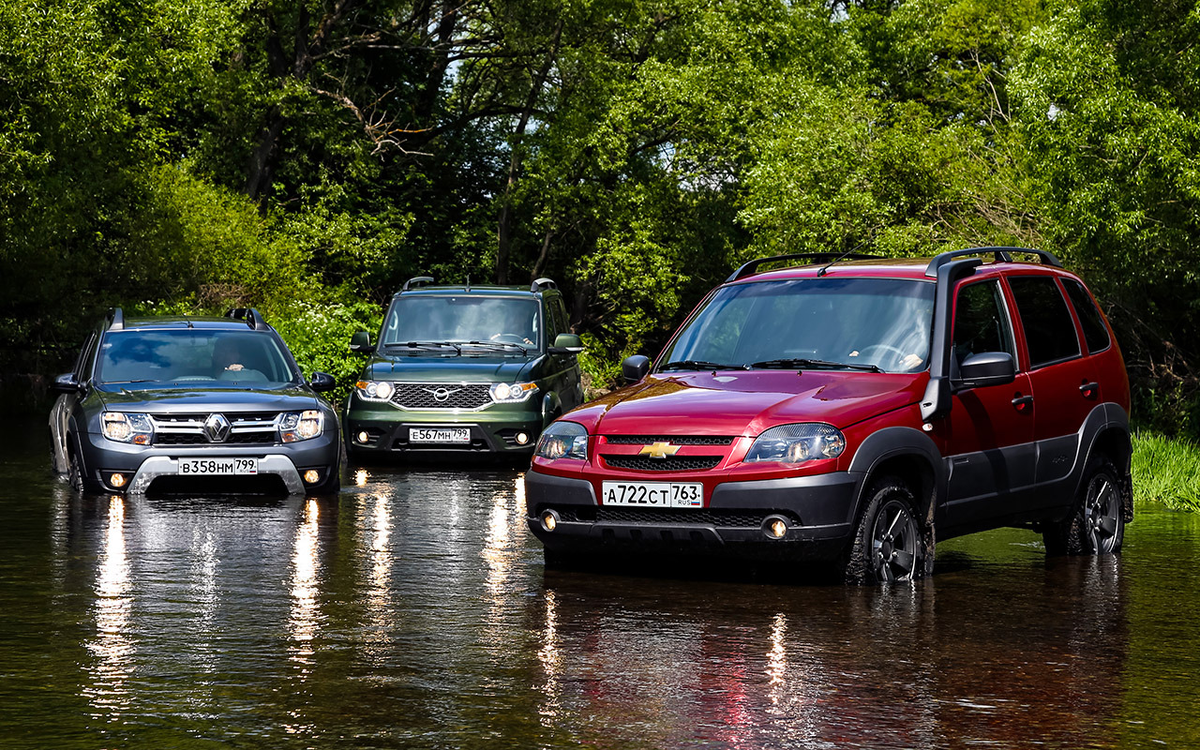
(464, 370)
(193, 404)
(854, 409)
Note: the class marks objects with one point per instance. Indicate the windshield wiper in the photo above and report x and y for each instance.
(424, 345)
(497, 345)
(812, 364)
(128, 382)
(698, 364)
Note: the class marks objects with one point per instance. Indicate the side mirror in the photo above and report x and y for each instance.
(567, 343)
(986, 368)
(66, 383)
(360, 343)
(322, 381)
(635, 368)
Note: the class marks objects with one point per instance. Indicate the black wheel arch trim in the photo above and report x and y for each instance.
(1105, 423)
(891, 443)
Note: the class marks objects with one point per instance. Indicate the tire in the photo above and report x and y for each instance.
(1096, 524)
(889, 544)
(77, 474)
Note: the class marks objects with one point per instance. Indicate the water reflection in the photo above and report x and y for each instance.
(304, 614)
(112, 646)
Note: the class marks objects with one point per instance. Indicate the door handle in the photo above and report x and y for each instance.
(1021, 403)
(1089, 390)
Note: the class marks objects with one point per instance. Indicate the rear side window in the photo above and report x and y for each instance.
(1095, 333)
(980, 322)
(1049, 328)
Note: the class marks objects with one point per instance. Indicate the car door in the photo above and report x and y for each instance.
(64, 405)
(987, 438)
(565, 367)
(1059, 374)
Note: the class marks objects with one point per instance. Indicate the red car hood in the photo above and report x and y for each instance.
(746, 403)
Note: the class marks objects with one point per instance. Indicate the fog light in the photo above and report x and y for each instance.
(549, 520)
(775, 527)
(116, 480)
(522, 438)
(363, 437)
(312, 476)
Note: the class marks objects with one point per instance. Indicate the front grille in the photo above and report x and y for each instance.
(720, 518)
(463, 396)
(672, 439)
(246, 428)
(670, 463)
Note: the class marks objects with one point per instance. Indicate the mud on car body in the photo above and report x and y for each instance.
(464, 370)
(193, 404)
(854, 410)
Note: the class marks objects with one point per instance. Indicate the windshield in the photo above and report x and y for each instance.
(503, 323)
(852, 323)
(192, 355)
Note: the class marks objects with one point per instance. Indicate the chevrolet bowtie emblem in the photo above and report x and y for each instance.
(659, 450)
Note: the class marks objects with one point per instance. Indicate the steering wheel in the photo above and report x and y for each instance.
(897, 353)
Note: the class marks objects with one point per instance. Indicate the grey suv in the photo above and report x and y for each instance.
(193, 404)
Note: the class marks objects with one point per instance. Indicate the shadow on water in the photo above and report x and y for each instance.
(413, 611)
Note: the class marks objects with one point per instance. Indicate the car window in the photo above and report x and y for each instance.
(462, 317)
(1049, 328)
(1095, 333)
(84, 360)
(855, 321)
(191, 355)
(981, 322)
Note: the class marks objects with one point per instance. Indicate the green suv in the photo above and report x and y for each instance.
(463, 370)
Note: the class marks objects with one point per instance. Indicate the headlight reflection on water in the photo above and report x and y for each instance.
(304, 615)
(112, 646)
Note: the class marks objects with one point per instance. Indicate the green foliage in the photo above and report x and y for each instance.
(1166, 471)
(319, 337)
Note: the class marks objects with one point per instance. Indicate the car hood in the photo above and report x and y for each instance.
(746, 403)
(450, 369)
(177, 400)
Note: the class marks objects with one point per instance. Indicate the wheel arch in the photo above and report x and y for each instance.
(907, 454)
(1109, 436)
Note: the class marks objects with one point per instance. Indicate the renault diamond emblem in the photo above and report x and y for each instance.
(659, 450)
(441, 394)
(216, 427)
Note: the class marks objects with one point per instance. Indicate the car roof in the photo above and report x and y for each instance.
(893, 268)
(177, 322)
(473, 290)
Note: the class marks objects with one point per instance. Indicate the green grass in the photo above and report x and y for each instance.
(1166, 471)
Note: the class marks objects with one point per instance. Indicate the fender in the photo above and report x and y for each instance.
(551, 408)
(898, 442)
(1105, 422)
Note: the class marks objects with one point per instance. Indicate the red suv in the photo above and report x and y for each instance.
(854, 410)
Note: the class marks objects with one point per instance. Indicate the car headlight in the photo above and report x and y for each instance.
(797, 443)
(299, 426)
(373, 390)
(127, 428)
(511, 393)
(563, 440)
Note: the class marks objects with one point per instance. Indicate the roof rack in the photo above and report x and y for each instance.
(1000, 255)
(116, 319)
(821, 257)
(543, 283)
(418, 281)
(248, 314)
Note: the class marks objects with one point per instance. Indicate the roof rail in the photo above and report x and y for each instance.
(248, 314)
(821, 257)
(1000, 254)
(116, 319)
(417, 281)
(542, 283)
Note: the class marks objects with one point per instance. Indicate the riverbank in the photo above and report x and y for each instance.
(1166, 471)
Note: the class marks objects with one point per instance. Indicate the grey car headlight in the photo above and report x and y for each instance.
(297, 426)
(126, 427)
(797, 443)
(563, 440)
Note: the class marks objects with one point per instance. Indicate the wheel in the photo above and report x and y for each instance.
(888, 544)
(1096, 525)
(76, 472)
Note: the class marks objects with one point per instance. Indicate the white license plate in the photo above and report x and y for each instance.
(653, 494)
(218, 466)
(439, 435)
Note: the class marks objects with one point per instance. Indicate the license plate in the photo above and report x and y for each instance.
(653, 494)
(439, 435)
(218, 466)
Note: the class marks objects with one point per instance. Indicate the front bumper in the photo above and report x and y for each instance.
(141, 465)
(496, 430)
(819, 510)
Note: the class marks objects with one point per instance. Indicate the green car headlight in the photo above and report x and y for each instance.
(563, 440)
(797, 443)
(512, 393)
(373, 390)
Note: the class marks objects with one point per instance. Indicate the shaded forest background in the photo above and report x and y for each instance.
(307, 157)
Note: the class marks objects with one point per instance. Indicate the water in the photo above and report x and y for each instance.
(413, 611)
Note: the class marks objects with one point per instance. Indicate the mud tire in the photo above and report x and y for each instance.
(889, 544)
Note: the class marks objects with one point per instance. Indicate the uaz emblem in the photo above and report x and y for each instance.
(441, 394)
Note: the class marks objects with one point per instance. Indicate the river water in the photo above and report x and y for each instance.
(413, 611)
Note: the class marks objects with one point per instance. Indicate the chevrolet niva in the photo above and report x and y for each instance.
(854, 410)
(464, 371)
(187, 404)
